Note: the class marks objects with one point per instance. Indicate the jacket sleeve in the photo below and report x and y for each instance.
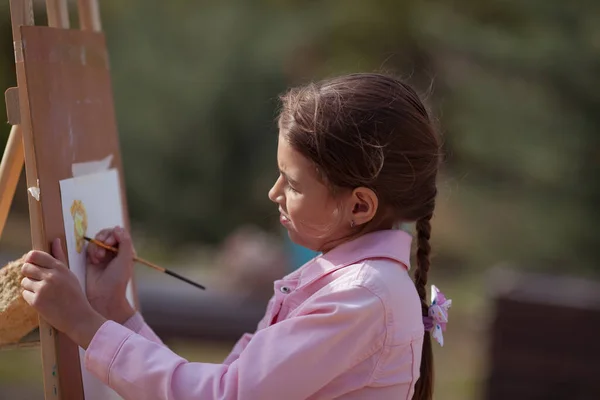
(238, 348)
(291, 359)
(245, 339)
(137, 324)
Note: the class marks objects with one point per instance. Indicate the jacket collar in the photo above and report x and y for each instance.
(390, 244)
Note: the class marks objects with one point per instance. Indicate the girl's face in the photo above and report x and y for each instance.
(313, 217)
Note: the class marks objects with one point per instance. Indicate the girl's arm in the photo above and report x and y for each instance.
(238, 348)
(137, 324)
(292, 359)
(245, 339)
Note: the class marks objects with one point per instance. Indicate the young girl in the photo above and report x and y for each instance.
(357, 156)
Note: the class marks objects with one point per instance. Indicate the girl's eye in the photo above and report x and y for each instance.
(287, 183)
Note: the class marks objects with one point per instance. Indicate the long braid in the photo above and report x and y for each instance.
(424, 386)
(423, 251)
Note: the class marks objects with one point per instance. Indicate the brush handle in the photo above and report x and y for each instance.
(100, 244)
(146, 263)
(176, 275)
(149, 264)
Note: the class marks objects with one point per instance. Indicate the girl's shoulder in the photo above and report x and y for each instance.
(385, 278)
(390, 281)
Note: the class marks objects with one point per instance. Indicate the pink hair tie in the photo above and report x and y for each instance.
(438, 315)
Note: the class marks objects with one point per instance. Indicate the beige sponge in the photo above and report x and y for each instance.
(17, 318)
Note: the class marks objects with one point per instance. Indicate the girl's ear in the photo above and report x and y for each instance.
(364, 204)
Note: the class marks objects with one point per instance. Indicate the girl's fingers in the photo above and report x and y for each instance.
(93, 251)
(30, 285)
(100, 253)
(41, 259)
(103, 234)
(106, 236)
(90, 250)
(33, 271)
(111, 240)
(89, 258)
(126, 250)
(28, 296)
(91, 254)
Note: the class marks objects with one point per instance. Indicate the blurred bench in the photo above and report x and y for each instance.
(545, 338)
(179, 312)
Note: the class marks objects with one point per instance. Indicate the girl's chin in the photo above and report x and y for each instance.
(300, 239)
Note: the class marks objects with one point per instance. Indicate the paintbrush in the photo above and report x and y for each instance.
(147, 263)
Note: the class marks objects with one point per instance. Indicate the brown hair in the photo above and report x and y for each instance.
(372, 130)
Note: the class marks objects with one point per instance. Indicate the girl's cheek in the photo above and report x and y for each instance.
(291, 207)
(289, 210)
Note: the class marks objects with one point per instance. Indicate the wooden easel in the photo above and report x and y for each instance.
(61, 113)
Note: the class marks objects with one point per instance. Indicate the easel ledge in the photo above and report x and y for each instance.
(60, 356)
(32, 340)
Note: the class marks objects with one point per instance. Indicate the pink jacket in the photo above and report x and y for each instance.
(345, 325)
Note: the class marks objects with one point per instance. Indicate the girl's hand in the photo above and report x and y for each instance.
(54, 291)
(108, 274)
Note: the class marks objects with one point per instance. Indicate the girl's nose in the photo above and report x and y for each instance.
(275, 194)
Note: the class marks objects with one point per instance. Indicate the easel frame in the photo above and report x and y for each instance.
(60, 356)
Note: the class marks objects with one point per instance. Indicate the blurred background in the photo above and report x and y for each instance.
(515, 90)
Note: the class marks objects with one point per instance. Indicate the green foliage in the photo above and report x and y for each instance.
(519, 86)
(513, 84)
(196, 92)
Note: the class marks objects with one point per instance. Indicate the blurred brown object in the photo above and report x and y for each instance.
(544, 338)
(182, 312)
(17, 318)
(250, 261)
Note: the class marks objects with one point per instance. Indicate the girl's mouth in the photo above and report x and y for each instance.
(284, 219)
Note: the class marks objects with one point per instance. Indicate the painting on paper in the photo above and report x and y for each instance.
(90, 203)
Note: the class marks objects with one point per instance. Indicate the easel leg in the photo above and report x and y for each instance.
(10, 171)
(58, 13)
(89, 15)
(60, 356)
(21, 12)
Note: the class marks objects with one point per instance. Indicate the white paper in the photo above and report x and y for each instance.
(100, 195)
